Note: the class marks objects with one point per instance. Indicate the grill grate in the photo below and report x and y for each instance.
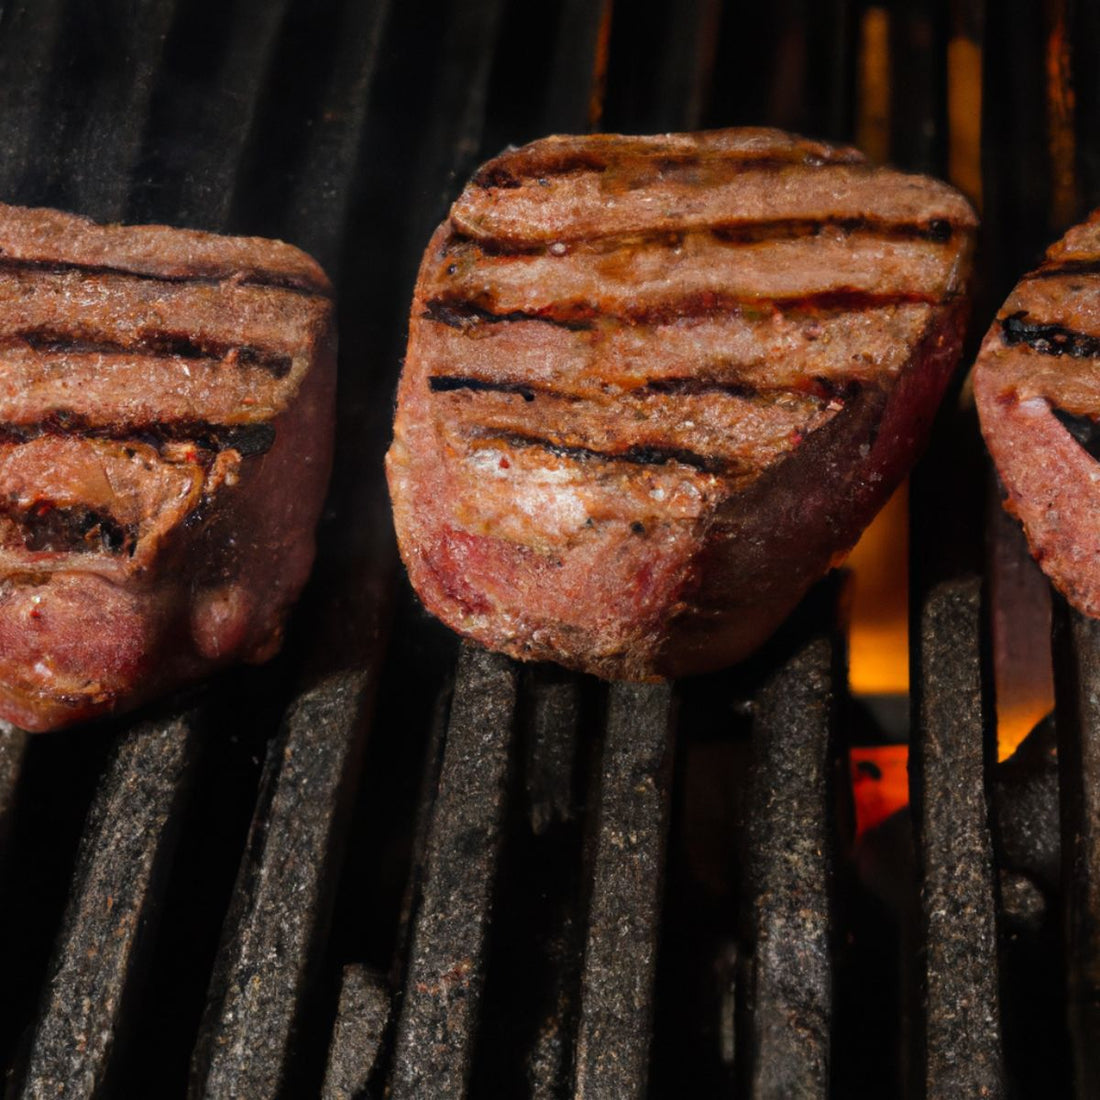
(388, 864)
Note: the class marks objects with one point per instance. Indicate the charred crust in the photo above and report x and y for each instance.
(161, 345)
(935, 230)
(636, 456)
(1048, 339)
(246, 439)
(448, 383)
(512, 171)
(689, 386)
(249, 439)
(1058, 270)
(272, 280)
(464, 315)
(73, 529)
(582, 316)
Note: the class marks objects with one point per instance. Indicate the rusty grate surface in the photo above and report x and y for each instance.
(392, 865)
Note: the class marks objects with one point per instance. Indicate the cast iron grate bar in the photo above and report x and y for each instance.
(1077, 672)
(361, 1019)
(95, 128)
(279, 909)
(451, 146)
(29, 35)
(624, 914)
(949, 760)
(574, 101)
(125, 852)
(315, 189)
(446, 969)
(686, 64)
(792, 837)
(205, 115)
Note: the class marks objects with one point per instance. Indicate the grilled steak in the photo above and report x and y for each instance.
(1037, 388)
(655, 386)
(165, 438)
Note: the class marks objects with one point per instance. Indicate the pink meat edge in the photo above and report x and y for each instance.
(1052, 486)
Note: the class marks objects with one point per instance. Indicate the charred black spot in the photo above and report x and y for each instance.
(250, 439)
(157, 344)
(690, 386)
(1048, 339)
(939, 230)
(637, 528)
(275, 363)
(73, 529)
(1083, 428)
(638, 456)
(447, 383)
(465, 315)
(1067, 267)
(495, 175)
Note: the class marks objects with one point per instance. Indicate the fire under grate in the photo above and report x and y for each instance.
(390, 864)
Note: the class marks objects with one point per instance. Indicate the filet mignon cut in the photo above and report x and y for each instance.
(656, 386)
(166, 407)
(1037, 388)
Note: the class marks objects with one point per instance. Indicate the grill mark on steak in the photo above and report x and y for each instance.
(1084, 430)
(464, 314)
(826, 388)
(446, 383)
(156, 344)
(70, 528)
(936, 230)
(268, 279)
(1090, 266)
(245, 439)
(1048, 339)
(575, 161)
(635, 456)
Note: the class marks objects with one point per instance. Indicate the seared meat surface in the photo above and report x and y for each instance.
(1037, 387)
(165, 442)
(656, 386)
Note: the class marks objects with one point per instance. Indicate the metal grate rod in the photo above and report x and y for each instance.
(283, 894)
(208, 116)
(624, 915)
(950, 754)
(121, 873)
(792, 837)
(361, 1019)
(446, 970)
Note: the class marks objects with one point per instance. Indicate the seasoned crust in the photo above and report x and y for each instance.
(1037, 388)
(165, 441)
(655, 386)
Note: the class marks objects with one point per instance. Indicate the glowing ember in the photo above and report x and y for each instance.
(880, 783)
(878, 644)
